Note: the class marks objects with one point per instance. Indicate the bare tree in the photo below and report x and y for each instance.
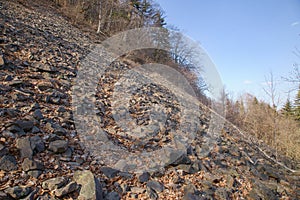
(270, 90)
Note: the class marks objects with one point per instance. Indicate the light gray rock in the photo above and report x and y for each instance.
(90, 186)
(58, 146)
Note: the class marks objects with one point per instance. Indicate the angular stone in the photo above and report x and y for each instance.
(152, 193)
(109, 172)
(37, 114)
(155, 185)
(24, 145)
(8, 163)
(26, 125)
(58, 146)
(3, 150)
(28, 165)
(18, 192)
(144, 177)
(54, 183)
(90, 186)
(37, 144)
(69, 188)
(35, 173)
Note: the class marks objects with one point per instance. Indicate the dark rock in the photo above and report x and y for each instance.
(54, 183)
(18, 192)
(3, 150)
(8, 134)
(125, 175)
(16, 129)
(8, 163)
(58, 146)
(37, 144)
(69, 188)
(262, 191)
(24, 145)
(144, 177)
(109, 172)
(31, 196)
(155, 185)
(90, 186)
(28, 165)
(177, 158)
(35, 130)
(26, 125)
(37, 114)
(152, 193)
(112, 196)
(56, 129)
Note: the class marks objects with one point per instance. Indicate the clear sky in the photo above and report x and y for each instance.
(246, 39)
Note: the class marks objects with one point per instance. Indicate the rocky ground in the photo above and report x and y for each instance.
(44, 157)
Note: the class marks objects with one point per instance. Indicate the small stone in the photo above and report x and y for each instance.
(54, 183)
(35, 173)
(137, 190)
(152, 193)
(56, 129)
(71, 187)
(3, 150)
(58, 146)
(144, 177)
(8, 163)
(90, 186)
(37, 144)
(28, 165)
(109, 172)
(18, 192)
(155, 185)
(25, 124)
(4, 196)
(24, 145)
(37, 114)
(1, 60)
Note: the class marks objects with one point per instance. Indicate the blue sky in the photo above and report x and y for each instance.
(245, 39)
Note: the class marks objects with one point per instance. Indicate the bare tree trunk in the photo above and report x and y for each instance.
(100, 17)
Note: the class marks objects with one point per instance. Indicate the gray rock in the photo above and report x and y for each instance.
(58, 146)
(37, 144)
(90, 186)
(26, 125)
(189, 192)
(222, 193)
(35, 173)
(8, 163)
(155, 185)
(24, 145)
(54, 183)
(16, 129)
(8, 134)
(56, 129)
(109, 172)
(112, 196)
(69, 188)
(144, 177)
(3, 150)
(37, 114)
(152, 193)
(177, 158)
(28, 165)
(18, 192)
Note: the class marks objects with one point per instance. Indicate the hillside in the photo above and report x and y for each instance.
(44, 157)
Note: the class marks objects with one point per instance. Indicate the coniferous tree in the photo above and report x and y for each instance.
(287, 110)
(297, 106)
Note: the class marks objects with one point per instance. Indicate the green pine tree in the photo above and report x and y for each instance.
(287, 110)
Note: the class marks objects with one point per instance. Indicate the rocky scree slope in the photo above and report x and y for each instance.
(42, 156)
